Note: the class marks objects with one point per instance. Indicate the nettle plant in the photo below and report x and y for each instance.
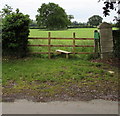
(15, 31)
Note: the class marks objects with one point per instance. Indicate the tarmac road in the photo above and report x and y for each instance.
(58, 107)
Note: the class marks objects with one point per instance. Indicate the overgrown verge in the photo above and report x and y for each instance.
(116, 41)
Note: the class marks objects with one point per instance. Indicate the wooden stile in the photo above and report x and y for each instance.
(67, 53)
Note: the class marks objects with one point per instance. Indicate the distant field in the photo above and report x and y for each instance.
(81, 32)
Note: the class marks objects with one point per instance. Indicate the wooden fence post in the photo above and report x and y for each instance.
(74, 43)
(96, 47)
(49, 45)
(97, 43)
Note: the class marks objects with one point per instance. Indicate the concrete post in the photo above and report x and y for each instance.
(106, 40)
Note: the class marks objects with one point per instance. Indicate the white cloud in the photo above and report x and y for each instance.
(81, 9)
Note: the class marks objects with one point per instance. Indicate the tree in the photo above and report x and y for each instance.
(33, 24)
(52, 16)
(70, 17)
(75, 23)
(95, 20)
(111, 5)
(6, 10)
(15, 31)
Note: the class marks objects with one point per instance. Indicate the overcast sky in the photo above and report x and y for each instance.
(80, 9)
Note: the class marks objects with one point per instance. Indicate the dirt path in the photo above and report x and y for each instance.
(57, 107)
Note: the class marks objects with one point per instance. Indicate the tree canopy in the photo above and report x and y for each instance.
(95, 20)
(6, 10)
(52, 16)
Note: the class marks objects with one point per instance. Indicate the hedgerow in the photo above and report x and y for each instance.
(15, 31)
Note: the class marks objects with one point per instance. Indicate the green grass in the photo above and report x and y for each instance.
(80, 33)
(47, 78)
(48, 70)
(35, 76)
(33, 68)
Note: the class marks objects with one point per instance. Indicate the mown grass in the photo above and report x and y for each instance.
(80, 33)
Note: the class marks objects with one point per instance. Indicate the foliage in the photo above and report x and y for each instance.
(76, 24)
(95, 20)
(15, 34)
(6, 10)
(33, 24)
(110, 5)
(52, 16)
(116, 38)
(0, 27)
(70, 17)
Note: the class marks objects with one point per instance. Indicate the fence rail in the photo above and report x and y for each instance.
(63, 38)
(54, 52)
(49, 45)
(62, 45)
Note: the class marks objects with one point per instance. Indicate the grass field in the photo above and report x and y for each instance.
(80, 33)
(41, 79)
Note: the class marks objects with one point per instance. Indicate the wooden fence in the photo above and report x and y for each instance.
(49, 45)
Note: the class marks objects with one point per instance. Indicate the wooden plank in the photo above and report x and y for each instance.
(62, 51)
(84, 38)
(41, 52)
(75, 38)
(39, 45)
(69, 53)
(64, 38)
(36, 38)
(84, 53)
(84, 45)
(62, 45)
(96, 47)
